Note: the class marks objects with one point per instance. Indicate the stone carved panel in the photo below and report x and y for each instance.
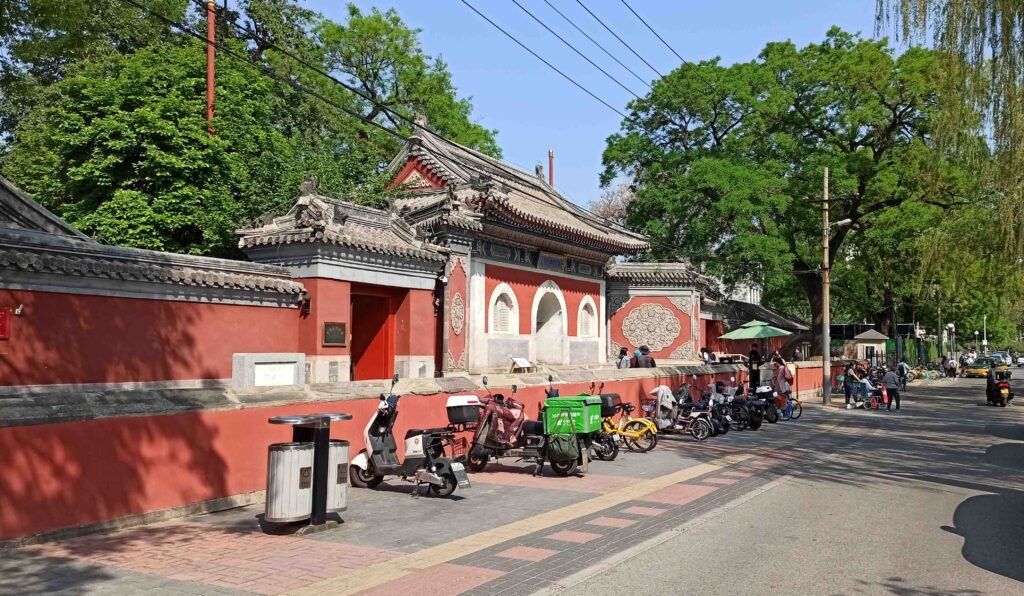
(683, 303)
(454, 364)
(683, 352)
(652, 325)
(458, 313)
(615, 350)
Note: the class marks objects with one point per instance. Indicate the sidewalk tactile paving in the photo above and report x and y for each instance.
(679, 494)
(645, 511)
(720, 480)
(527, 553)
(571, 536)
(439, 580)
(611, 522)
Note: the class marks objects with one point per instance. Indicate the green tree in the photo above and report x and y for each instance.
(727, 161)
(119, 144)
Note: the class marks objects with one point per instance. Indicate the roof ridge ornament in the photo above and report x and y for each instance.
(309, 187)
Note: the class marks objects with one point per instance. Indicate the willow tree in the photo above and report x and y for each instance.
(983, 45)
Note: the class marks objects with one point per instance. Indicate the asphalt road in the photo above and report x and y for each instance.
(929, 501)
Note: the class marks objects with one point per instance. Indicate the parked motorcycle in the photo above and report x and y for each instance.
(764, 402)
(424, 463)
(502, 430)
(670, 416)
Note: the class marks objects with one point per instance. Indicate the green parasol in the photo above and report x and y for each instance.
(755, 330)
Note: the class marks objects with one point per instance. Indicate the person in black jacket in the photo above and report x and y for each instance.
(645, 360)
(754, 362)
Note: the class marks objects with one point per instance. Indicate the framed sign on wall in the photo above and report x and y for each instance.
(335, 335)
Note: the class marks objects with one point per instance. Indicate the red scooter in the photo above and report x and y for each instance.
(998, 391)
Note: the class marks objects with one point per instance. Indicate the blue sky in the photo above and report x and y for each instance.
(534, 109)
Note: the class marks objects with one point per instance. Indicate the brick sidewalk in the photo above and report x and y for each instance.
(510, 534)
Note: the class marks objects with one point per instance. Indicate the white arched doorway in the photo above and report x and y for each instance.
(549, 324)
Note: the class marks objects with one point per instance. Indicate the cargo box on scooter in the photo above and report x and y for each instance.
(608, 403)
(463, 409)
(576, 414)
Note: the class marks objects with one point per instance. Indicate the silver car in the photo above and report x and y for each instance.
(1003, 357)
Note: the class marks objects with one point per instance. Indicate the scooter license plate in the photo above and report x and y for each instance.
(1004, 391)
(460, 475)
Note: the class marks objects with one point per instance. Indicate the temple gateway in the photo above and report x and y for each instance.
(474, 266)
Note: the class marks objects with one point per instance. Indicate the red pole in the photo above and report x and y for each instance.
(551, 167)
(211, 38)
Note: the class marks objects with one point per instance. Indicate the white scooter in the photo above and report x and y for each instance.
(425, 462)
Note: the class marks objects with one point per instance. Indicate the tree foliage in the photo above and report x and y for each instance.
(727, 162)
(114, 137)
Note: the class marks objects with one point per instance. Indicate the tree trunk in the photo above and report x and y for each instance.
(810, 283)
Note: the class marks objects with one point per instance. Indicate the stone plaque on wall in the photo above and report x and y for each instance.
(335, 335)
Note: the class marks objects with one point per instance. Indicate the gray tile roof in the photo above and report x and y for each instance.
(507, 192)
(315, 218)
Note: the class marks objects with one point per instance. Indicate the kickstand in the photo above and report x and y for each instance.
(539, 470)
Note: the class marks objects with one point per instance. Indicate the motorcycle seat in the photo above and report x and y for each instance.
(533, 427)
(425, 431)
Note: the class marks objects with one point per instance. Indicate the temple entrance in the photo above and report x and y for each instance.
(373, 342)
(550, 330)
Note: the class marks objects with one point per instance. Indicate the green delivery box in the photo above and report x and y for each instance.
(573, 413)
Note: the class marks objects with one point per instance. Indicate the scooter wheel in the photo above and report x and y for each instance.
(446, 488)
(563, 468)
(361, 478)
(476, 463)
(771, 413)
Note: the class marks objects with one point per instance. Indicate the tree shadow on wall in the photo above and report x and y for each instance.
(67, 474)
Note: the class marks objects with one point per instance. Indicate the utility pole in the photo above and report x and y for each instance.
(826, 316)
(211, 59)
(985, 340)
(942, 330)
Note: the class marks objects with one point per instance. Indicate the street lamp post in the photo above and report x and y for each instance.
(952, 340)
(985, 324)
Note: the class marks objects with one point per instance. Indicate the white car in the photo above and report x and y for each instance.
(1020, 360)
(1003, 357)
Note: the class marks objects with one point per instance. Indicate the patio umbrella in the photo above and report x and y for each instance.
(755, 330)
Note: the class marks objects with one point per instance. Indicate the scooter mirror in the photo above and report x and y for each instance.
(732, 379)
(484, 379)
(514, 389)
(394, 380)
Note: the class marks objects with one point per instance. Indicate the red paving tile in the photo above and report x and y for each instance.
(527, 553)
(720, 480)
(439, 580)
(612, 522)
(679, 494)
(215, 556)
(576, 537)
(648, 511)
(589, 483)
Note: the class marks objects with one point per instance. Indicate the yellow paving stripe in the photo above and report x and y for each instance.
(381, 573)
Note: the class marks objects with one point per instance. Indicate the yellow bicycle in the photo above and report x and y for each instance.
(636, 433)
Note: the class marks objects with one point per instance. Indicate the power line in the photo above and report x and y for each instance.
(595, 42)
(630, 48)
(538, 57)
(651, 29)
(320, 71)
(573, 48)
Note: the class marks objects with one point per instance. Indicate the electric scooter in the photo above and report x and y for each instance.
(504, 431)
(425, 462)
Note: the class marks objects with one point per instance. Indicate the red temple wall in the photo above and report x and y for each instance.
(71, 338)
(685, 325)
(525, 284)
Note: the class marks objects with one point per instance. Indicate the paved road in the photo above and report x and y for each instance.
(929, 501)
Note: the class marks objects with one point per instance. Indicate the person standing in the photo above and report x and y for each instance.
(623, 360)
(645, 360)
(754, 367)
(903, 370)
(891, 381)
(784, 388)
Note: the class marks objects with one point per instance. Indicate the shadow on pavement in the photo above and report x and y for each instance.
(23, 571)
(899, 586)
(993, 531)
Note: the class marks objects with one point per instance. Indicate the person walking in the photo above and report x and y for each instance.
(783, 387)
(851, 381)
(891, 382)
(903, 370)
(623, 360)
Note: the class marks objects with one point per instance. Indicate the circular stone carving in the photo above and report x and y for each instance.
(652, 325)
(458, 313)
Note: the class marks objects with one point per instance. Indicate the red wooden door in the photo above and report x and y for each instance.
(373, 352)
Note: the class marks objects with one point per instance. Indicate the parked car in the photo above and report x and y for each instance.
(1003, 357)
(979, 368)
(1020, 360)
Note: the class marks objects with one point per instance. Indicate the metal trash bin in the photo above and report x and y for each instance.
(289, 482)
(337, 476)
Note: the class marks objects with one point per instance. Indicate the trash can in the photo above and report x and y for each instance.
(289, 482)
(337, 476)
(573, 413)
